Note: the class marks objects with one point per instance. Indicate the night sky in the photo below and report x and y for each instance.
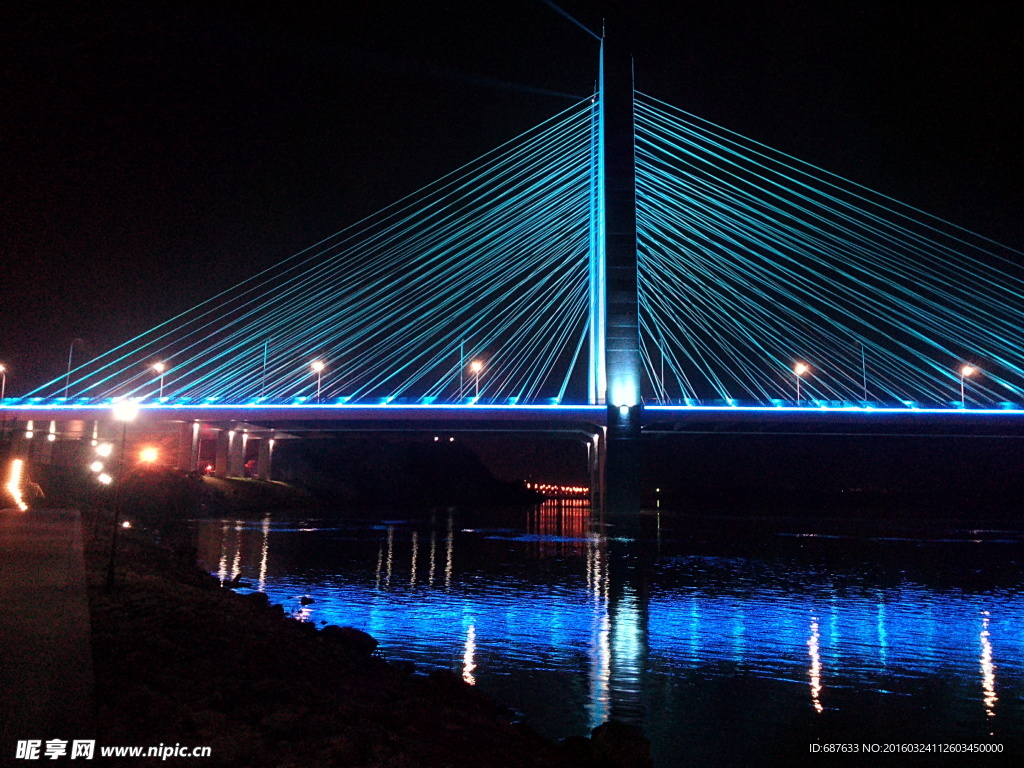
(155, 153)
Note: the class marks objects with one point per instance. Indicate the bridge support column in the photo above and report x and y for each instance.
(188, 447)
(236, 453)
(193, 451)
(595, 468)
(221, 461)
(617, 202)
(265, 457)
(622, 461)
(230, 459)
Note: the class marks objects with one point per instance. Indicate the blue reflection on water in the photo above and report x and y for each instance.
(542, 617)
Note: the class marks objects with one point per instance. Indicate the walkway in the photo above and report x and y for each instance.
(46, 678)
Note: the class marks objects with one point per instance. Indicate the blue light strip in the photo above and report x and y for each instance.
(553, 413)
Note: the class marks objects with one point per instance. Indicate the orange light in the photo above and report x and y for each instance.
(148, 455)
(967, 370)
(14, 484)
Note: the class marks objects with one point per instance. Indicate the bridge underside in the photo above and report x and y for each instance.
(46, 434)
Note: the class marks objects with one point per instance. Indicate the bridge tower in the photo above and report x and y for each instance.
(614, 314)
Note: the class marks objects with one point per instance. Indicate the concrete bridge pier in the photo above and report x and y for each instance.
(622, 462)
(220, 456)
(230, 457)
(238, 456)
(265, 458)
(188, 446)
(595, 467)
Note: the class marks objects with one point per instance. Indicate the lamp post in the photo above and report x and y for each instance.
(3, 385)
(318, 368)
(160, 368)
(475, 367)
(799, 370)
(966, 371)
(125, 411)
(67, 379)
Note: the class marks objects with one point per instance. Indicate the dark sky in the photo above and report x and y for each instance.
(156, 152)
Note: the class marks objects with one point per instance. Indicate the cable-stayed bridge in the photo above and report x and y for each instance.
(624, 265)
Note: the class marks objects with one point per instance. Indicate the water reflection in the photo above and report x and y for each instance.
(815, 671)
(580, 628)
(433, 547)
(988, 669)
(449, 550)
(264, 551)
(560, 528)
(468, 663)
(599, 702)
(415, 553)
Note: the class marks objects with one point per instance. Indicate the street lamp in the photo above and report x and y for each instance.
(966, 371)
(3, 382)
(160, 368)
(67, 379)
(475, 367)
(799, 369)
(125, 411)
(318, 368)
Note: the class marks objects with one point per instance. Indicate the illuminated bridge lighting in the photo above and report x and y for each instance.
(749, 262)
(559, 491)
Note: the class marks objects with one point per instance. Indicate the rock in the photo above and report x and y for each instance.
(259, 598)
(354, 639)
(448, 681)
(622, 744)
(578, 750)
(404, 667)
(306, 600)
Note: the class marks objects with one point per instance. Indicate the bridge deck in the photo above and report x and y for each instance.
(307, 417)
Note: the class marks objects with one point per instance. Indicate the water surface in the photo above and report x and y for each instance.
(731, 641)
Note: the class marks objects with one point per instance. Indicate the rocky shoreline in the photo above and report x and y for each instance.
(180, 660)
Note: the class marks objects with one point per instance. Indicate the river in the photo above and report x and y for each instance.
(731, 640)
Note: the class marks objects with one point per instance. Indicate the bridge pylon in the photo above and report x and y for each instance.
(615, 309)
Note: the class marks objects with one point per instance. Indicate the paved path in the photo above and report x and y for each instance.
(46, 679)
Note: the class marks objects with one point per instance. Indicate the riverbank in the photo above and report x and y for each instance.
(180, 660)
